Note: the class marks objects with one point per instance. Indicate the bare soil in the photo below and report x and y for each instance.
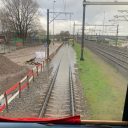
(8, 67)
(22, 55)
(31, 100)
(13, 65)
(10, 73)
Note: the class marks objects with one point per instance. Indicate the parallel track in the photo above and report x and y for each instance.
(115, 50)
(120, 58)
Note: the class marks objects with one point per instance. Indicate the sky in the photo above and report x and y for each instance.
(94, 15)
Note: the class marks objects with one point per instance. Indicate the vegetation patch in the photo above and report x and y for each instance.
(104, 92)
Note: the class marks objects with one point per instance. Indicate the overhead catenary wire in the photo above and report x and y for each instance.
(64, 3)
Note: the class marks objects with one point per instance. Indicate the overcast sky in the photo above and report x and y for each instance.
(94, 14)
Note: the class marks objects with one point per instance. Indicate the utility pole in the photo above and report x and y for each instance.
(70, 22)
(117, 31)
(83, 27)
(48, 34)
(77, 36)
(103, 24)
(117, 27)
(53, 18)
(48, 22)
(74, 34)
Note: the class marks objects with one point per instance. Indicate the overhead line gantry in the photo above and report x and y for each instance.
(86, 3)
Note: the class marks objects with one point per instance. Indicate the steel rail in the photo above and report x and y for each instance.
(110, 54)
(113, 50)
(48, 94)
(116, 62)
(104, 54)
(124, 54)
(72, 95)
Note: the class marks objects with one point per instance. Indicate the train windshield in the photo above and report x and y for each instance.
(64, 62)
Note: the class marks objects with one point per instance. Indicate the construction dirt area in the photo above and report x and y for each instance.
(59, 103)
(14, 65)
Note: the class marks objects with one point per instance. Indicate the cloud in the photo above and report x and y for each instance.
(94, 14)
(59, 25)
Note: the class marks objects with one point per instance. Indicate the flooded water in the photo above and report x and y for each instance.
(60, 100)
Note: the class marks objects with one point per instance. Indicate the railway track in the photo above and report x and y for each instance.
(115, 51)
(48, 93)
(55, 93)
(117, 60)
(116, 57)
(59, 100)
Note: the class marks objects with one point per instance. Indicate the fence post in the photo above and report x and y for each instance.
(37, 70)
(33, 75)
(43, 64)
(41, 68)
(28, 81)
(19, 90)
(6, 101)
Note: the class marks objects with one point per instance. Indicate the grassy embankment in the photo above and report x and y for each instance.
(104, 88)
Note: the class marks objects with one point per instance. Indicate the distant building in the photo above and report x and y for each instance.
(2, 39)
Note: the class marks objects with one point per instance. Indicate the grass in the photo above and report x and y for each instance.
(105, 99)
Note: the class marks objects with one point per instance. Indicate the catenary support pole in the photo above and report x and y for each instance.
(47, 34)
(53, 20)
(74, 34)
(83, 28)
(117, 34)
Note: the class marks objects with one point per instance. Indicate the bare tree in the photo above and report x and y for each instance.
(64, 34)
(18, 16)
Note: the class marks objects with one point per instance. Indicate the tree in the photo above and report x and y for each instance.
(18, 16)
(64, 34)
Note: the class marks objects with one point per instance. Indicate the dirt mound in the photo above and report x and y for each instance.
(8, 67)
(10, 73)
